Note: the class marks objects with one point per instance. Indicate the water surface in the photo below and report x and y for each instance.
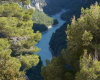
(43, 44)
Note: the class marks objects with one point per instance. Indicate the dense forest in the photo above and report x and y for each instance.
(80, 61)
(41, 21)
(55, 6)
(58, 40)
(75, 45)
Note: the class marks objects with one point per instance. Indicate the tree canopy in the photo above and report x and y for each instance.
(83, 48)
(17, 41)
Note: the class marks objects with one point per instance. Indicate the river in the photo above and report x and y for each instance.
(43, 44)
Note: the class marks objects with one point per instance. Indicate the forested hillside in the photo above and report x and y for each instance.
(81, 59)
(75, 45)
(58, 43)
(55, 6)
(41, 21)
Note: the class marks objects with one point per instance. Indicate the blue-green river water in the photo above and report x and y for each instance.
(43, 44)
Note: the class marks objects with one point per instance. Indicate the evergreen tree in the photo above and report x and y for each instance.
(82, 39)
(56, 70)
(9, 66)
(89, 69)
(17, 41)
(84, 34)
(24, 2)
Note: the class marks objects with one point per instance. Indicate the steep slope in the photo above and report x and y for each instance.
(34, 73)
(41, 21)
(38, 4)
(55, 6)
(59, 43)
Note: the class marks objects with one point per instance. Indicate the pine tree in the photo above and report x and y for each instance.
(17, 41)
(56, 70)
(89, 69)
(83, 33)
(82, 39)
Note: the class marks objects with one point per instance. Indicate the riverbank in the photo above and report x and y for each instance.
(51, 50)
(49, 28)
(45, 53)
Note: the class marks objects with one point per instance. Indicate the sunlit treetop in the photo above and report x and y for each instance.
(16, 25)
(24, 2)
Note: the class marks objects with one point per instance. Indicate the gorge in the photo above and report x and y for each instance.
(43, 44)
(58, 39)
(49, 39)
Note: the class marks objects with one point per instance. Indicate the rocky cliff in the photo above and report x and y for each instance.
(38, 4)
(58, 39)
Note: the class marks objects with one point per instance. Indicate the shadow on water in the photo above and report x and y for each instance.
(43, 44)
(55, 21)
(39, 27)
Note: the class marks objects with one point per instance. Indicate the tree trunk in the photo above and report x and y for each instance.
(96, 54)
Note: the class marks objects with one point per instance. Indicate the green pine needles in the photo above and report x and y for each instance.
(83, 49)
(17, 41)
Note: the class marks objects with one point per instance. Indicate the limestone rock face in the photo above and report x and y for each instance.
(38, 4)
(29, 6)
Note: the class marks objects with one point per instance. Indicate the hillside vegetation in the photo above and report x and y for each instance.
(81, 59)
(42, 21)
(59, 43)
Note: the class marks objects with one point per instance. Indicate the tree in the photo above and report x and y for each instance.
(9, 66)
(83, 33)
(89, 69)
(17, 41)
(83, 39)
(19, 30)
(24, 2)
(56, 70)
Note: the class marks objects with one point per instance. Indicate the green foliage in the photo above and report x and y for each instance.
(87, 29)
(17, 41)
(9, 66)
(87, 37)
(34, 73)
(55, 70)
(30, 11)
(16, 28)
(42, 21)
(4, 43)
(27, 61)
(58, 39)
(89, 70)
(24, 2)
(82, 35)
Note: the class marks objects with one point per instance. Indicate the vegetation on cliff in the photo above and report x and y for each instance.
(83, 48)
(59, 43)
(41, 21)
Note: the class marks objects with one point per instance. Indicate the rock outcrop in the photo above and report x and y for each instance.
(38, 4)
